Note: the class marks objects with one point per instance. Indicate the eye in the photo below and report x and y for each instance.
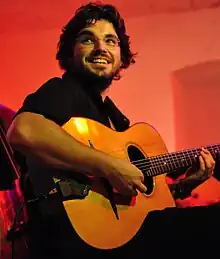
(87, 40)
(111, 41)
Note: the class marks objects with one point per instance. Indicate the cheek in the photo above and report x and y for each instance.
(117, 59)
(78, 53)
(118, 54)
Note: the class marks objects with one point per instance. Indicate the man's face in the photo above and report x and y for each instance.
(96, 52)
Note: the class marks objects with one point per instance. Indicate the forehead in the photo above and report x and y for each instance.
(100, 27)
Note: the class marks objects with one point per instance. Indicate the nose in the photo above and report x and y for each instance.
(100, 45)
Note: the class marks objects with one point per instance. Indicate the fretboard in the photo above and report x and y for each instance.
(170, 162)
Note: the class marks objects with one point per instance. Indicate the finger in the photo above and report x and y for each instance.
(209, 160)
(212, 162)
(205, 150)
(135, 178)
(140, 186)
(121, 186)
(207, 154)
(131, 179)
(131, 191)
(130, 186)
(202, 163)
(142, 178)
(127, 190)
(137, 183)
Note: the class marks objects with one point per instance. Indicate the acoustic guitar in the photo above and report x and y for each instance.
(97, 221)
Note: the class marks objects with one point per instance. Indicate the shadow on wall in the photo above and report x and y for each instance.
(196, 97)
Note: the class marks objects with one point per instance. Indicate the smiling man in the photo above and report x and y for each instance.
(93, 48)
(97, 52)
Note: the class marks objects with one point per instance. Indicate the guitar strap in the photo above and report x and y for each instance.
(118, 120)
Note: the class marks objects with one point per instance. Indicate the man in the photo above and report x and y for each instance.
(93, 49)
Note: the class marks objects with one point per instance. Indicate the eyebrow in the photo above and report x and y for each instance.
(90, 33)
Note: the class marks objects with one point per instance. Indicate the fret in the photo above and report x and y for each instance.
(162, 163)
(157, 171)
(214, 150)
(182, 159)
(190, 157)
(173, 161)
(153, 171)
(177, 160)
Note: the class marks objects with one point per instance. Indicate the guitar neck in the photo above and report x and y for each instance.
(170, 162)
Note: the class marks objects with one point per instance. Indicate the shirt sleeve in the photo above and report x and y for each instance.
(50, 100)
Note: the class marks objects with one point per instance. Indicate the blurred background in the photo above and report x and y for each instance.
(174, 85)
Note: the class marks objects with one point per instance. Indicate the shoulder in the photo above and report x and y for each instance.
(63, 84)
(53, 88)
(54, 82)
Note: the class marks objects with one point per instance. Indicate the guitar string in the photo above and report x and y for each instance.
(178, 155)
(165, 168)
(157, 162)
(165, 160)
(173, 156)
(169, 159)
(159, 168)
(153, 163)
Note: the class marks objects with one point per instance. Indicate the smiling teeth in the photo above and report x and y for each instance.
(102, 61)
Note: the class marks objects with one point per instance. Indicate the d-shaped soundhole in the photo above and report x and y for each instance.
(138, 158)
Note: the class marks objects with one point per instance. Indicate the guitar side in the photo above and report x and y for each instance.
(93, 218)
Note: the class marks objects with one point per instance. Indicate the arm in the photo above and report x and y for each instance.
(35, 136)
(182, 188)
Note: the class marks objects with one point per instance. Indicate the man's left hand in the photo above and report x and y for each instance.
(206, 165)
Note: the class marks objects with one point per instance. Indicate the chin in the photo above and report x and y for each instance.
(100, 74)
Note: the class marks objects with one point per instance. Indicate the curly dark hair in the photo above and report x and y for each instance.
(85, 15)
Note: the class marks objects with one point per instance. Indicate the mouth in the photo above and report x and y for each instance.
(99, 61)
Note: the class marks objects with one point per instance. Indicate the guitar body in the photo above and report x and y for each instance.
(93, 217)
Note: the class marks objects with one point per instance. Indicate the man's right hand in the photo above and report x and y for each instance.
(124, 177)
